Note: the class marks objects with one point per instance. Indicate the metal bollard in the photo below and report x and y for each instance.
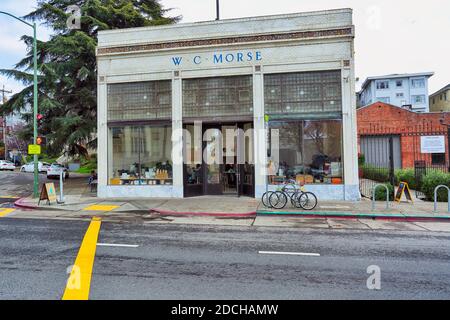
(61, 188)
(373, 195)
(435, 196)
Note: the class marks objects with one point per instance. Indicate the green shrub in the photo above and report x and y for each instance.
(88, 165)
(375, 173)
(380, 194)
(361, 159)
(431, 181)
(408, 176)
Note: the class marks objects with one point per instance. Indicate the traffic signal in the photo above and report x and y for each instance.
(39, 141)
(39, 118)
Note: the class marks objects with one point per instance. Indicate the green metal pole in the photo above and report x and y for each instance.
(35, 111)
(35, 103)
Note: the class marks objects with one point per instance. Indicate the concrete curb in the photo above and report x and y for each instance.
(345, 215)
(205, 214)
(19, 204)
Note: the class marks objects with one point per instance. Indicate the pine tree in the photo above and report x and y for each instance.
(67, 66)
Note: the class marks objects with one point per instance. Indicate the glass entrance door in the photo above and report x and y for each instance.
(219, 159)
(193, 163)
(246, 160)
(212, 160)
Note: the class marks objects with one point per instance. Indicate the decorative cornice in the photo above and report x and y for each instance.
(228, 40)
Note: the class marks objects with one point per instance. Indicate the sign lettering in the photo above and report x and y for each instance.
(221, 58)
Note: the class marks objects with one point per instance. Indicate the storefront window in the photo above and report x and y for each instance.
(303, 93)
(215, 97)
(310, 152)
(151, 100)
(140, 155)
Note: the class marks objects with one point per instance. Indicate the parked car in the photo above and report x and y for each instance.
(54, 171)
(7, 165)
(29, 167)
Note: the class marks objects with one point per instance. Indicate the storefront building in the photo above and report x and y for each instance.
(283, 86)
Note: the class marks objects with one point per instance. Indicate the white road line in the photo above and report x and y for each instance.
(290, 253)
(117, 245)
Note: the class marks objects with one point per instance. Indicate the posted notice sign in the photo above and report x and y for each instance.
(34, 149)
(432, 144)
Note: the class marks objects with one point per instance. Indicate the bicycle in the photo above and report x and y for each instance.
(280, 194)
(299, 197)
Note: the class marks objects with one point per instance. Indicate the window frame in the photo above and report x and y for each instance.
(141, 125)
(379, 82)
(302, 143)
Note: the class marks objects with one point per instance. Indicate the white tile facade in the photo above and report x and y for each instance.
(262, 45)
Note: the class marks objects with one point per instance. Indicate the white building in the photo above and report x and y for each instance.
(296, 70)
(401, 90)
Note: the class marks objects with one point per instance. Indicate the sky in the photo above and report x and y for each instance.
(392, 36)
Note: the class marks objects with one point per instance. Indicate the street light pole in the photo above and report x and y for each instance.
(35, 99)
(35, 112)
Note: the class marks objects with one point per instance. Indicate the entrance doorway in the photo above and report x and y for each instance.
(218, 159)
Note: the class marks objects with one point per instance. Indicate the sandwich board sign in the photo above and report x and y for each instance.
(403, 188)
(48, 193)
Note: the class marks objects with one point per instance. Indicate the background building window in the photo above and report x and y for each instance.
(140, 155)
(438, 158)
(399, 83)
(310, 151)
(384, 99)
(140, 101)
(418, 83)
(419, 99)
(381, 85)
(400, 95)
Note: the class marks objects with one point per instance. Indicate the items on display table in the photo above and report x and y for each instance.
(150, 177)
(162, 175)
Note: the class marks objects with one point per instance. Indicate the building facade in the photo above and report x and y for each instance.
(440, 100)
(282, 85)
(415, 136)
(401, 90)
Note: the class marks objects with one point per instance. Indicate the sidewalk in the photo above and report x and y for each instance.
(419, 210)
(200, 206)
(239, 208)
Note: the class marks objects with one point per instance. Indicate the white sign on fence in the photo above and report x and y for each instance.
(432, 144)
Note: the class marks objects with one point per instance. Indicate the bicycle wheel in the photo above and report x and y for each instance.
(265, 199)
(308, 201)
(295, 199)
(278, 200)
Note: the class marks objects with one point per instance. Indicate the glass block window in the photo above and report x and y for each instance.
(306, 92)
(151, 100)
(222, 96)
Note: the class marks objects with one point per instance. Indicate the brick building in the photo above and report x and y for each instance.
(411, 136)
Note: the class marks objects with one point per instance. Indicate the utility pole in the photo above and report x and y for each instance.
(3, 91)
(217, 9)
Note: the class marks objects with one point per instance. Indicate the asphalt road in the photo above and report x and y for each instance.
(213, 262)
(18, 184)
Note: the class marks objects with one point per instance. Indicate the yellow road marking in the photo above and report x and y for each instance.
(8, 197)
(5, 212)
(79, 282)
(100, 208)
